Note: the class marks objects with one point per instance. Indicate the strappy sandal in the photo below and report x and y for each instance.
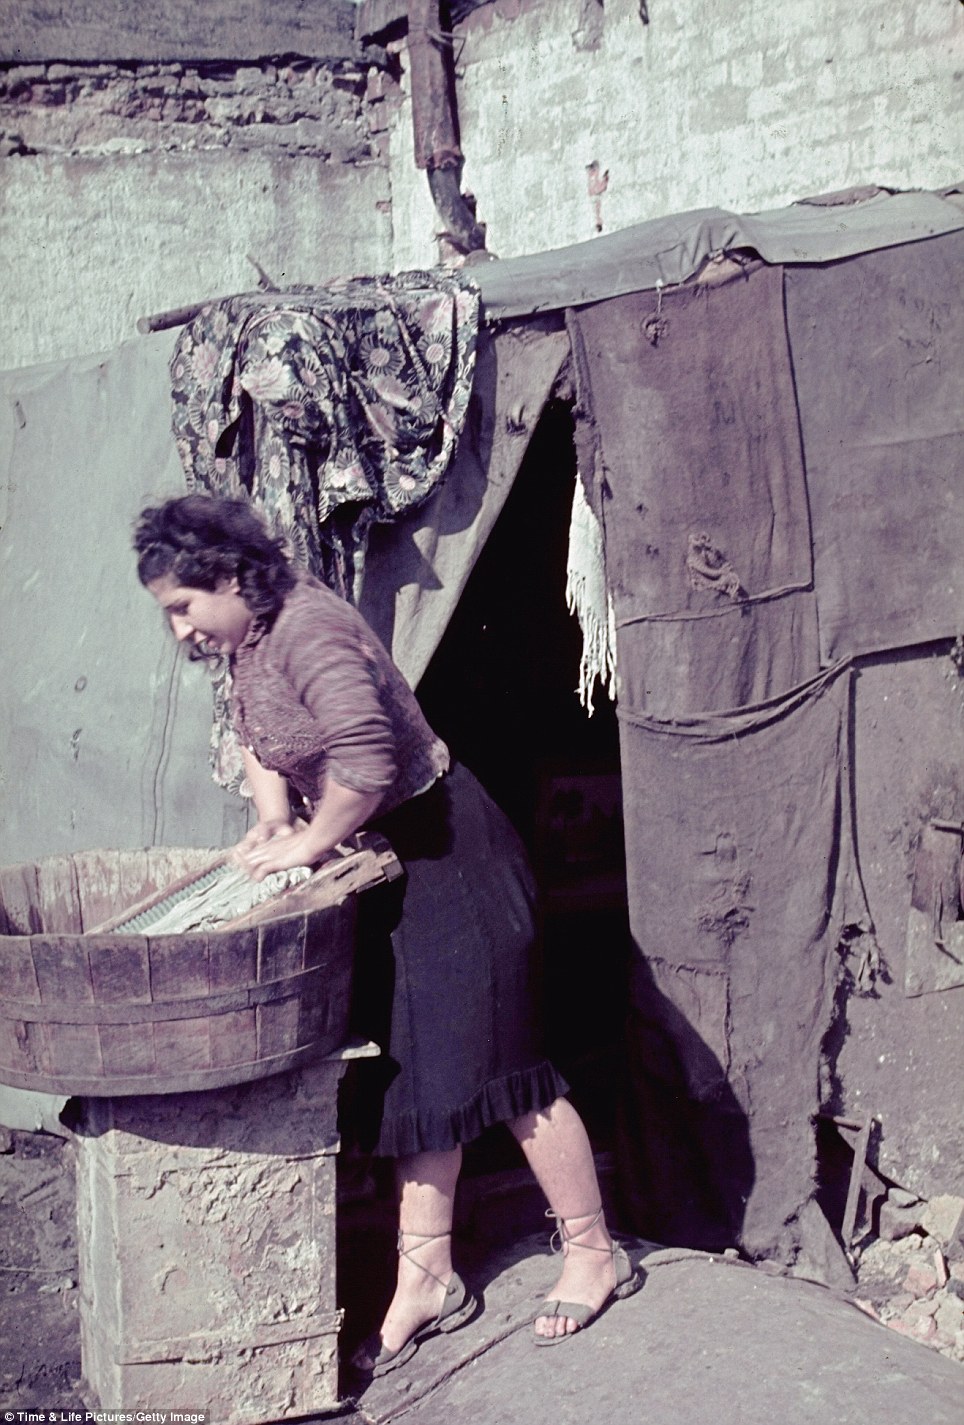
(628, 1280)
(457, 1308)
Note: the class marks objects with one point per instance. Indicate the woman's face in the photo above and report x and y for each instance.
(217, 620)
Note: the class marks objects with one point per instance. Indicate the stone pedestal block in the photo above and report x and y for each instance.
(207, 1248)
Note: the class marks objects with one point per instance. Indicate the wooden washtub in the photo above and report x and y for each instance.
(108, 1013)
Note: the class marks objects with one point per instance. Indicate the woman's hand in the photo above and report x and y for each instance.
(283, 851)
(262, 831)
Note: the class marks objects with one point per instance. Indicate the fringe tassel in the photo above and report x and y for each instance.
(588, 598)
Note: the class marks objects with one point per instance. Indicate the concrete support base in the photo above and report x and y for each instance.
(207, 1248)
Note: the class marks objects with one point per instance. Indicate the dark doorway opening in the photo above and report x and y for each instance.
(501, 691)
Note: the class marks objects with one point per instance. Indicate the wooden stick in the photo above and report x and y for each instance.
(176, 317)
(856, 1177)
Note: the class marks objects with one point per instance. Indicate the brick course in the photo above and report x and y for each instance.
(306, 107)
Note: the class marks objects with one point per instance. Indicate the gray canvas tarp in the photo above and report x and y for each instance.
(104, 726)
(671, 249)
(418, 567)
(697, 478)
(877, 343)
(742, 887)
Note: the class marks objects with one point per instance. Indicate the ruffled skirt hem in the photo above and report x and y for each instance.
(497, 1101)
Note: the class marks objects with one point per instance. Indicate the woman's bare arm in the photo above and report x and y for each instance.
(340, 812)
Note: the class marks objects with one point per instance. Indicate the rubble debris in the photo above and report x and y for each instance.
(911, 1274)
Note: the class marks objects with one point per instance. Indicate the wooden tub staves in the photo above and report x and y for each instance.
(102, 1013)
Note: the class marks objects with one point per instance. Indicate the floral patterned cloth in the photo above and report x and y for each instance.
(331, 408)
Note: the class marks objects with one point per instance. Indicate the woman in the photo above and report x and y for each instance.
(444, 977)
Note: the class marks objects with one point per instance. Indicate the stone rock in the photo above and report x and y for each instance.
(949, 1317)
(943, 1219)
(921, 1279)
(900, 1197)
(896, 1223)
(912, 1243)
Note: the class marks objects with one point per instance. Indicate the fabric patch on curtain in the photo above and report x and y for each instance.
(679, 668)
(878, 353)
(700, 488)
(744, 892)
(689, 450)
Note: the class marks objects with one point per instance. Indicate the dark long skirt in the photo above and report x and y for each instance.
(446, 981)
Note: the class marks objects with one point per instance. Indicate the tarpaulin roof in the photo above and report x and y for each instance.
(669, 250)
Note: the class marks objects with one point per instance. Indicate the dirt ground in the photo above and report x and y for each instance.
(902, 1283)
(39, 1333)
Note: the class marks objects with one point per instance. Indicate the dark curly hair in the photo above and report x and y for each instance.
(200, 540)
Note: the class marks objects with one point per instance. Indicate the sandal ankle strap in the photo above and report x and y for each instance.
(424, 1239)
(562, 1237)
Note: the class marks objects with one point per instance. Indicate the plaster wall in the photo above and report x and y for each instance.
(128, 187)
(128, 190)
(744, 106)
(91, 244)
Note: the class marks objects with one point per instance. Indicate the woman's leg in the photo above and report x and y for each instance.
(556, 1145)
(426, 1196)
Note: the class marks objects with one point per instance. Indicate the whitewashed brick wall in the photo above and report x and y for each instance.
(740, 104)
(91, 244)
(129, 189)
